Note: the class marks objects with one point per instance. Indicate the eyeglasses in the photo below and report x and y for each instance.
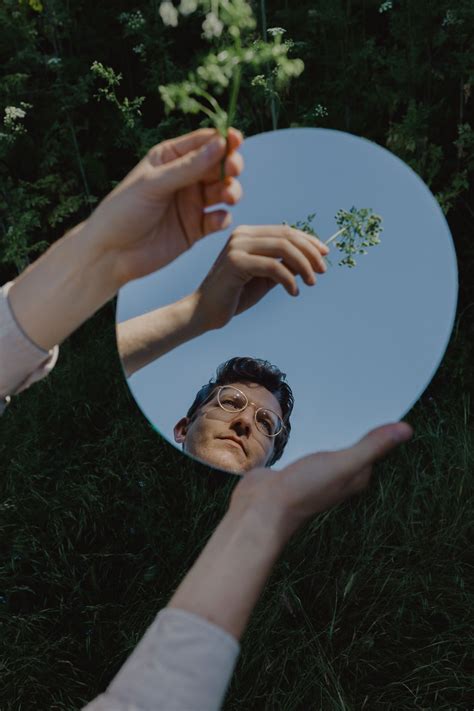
(232, 399)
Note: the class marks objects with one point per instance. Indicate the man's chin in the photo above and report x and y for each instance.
(222, 460)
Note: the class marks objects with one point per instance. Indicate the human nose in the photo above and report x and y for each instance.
(244, 420)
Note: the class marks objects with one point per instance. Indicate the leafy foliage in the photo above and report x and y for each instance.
(371, 605)
(359, 228)
(218, 70)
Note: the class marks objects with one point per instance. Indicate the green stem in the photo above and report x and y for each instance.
(270, 78)
(210, 98)
(232, 103)
(335, 235)
(213, 116)
(233, 97)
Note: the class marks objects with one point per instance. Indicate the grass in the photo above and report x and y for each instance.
(370, 607)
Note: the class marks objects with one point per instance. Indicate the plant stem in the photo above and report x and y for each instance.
(270, 79)
(343, 229)
(79, 161)
(232, 103)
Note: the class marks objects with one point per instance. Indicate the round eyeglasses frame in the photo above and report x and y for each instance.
(249, 402)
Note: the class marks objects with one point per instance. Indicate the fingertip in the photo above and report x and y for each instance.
(402, 432)
(235, 136)
(234, 164)
(226, 220)
(216, 221)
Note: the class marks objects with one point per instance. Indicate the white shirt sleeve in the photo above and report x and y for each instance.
(22, 362)
(182, 663)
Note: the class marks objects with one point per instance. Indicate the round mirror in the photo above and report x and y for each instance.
(358, 348)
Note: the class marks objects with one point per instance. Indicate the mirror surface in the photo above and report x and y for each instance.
(359, 347)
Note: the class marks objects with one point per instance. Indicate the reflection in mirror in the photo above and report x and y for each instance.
(256, 347)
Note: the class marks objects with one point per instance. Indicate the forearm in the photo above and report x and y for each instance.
(63, 288)
(226, 581)
(145, 338)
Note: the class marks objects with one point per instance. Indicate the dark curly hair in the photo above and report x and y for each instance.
(252, 370)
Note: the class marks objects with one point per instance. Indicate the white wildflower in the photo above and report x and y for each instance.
(385, 6)
(188, 6)
(212, 26)
(13, 117)
(13, 112)
(276, 31)
(320, 111)
(169, 13)
(140, 50)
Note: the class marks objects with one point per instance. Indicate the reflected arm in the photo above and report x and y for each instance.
(145, 338)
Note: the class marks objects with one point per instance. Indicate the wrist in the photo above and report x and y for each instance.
(265, 524)
(62, 289)
(227, 579)
(197, 321)
(95, 260)
(264, 509)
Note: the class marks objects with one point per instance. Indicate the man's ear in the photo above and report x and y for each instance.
(181, 429)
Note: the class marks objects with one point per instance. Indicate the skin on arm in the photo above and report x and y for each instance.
(145, 338)
(152, 216)
(65, 286)
(266, 508)
(247, 268)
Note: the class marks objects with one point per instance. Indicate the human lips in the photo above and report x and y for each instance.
(236, 441)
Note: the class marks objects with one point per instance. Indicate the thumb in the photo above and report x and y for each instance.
(375, 445)
(193, 166)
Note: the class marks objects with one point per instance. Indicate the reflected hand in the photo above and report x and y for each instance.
(157, 211)
(288, 498)
(254, 260)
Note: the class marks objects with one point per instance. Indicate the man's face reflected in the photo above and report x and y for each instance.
(229, 440)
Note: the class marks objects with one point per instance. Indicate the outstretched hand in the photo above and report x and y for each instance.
(290, 497)
(158, 210)
(253, 261)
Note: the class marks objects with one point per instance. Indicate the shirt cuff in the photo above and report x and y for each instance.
(22, 362)
(183, 663)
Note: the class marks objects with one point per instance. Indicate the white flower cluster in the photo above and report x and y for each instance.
(140, 50)
(276, 31)
(169, 14)
(133, 20)
(14, 114)
(320, 111)
(188, 6)
(385, 6)
(212, 26)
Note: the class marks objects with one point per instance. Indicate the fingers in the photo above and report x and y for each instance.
(375, 445)
(298, 250)
(252, 265)
(233, 166)
(215, 221)
(289, 233)
(228, 191)
(196, 139)
(176, 170)
(293, 258)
